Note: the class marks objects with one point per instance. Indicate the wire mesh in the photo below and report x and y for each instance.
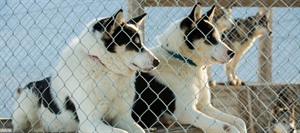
(33, 34)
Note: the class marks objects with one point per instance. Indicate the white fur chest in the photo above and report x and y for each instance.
(92, 85)
(183, 80)
(115, 91)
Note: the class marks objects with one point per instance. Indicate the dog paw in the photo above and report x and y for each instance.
(239, 82)
(241, 125)
(119, 131)
(230, 129)
(212, 83)
(232, 82)
(236, 82)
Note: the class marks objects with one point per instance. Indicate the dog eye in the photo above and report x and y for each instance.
(211, 40)
(284, 122)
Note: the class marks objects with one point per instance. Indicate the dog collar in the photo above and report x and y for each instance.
(180, 57)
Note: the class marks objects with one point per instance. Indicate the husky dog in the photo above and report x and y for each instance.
(92, 88)
(178, 88)
(223, 21)
(282, 121)
(241, 37)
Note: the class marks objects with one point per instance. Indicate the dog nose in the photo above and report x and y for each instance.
(155, 62)
(292, 130)
(270, 33)
(230, 53)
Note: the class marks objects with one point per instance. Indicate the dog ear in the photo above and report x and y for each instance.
(196, 13)
(210, 14)
(229, 9)
(267, 14)
(137, 21)
(261, 12)
(115, 21)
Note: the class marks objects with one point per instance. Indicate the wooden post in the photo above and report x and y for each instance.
(250, 111)
(265, 57)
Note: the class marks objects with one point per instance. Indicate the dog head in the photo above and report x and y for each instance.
(262, 20)
(223, 18)
(202, 38)
(283, 120)
(119, 44)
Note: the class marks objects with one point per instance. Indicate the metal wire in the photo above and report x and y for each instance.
(33, 34)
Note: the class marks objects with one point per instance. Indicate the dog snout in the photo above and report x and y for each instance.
(230, 53)
(155, 62)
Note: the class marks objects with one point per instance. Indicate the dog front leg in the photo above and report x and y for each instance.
(200, 120)
(90, 119)
(231, 70)
(90, 125)
(127, 123)
(217, 114)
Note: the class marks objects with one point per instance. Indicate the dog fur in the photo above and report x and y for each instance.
(241, 37)
(282, 121)
(92, 88)
(223, 18)
(179, 88)
(223, 21)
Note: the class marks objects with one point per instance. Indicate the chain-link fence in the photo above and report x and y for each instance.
(33, 34)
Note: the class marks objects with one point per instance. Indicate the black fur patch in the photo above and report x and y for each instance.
(152, 99)
(125, 35)
(70, 106)
(101, 25)
(202, 30)
(122, 35)
(42, 90)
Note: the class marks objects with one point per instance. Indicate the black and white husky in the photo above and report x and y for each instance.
(241, 37)
(92, 88)
(179, 88)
